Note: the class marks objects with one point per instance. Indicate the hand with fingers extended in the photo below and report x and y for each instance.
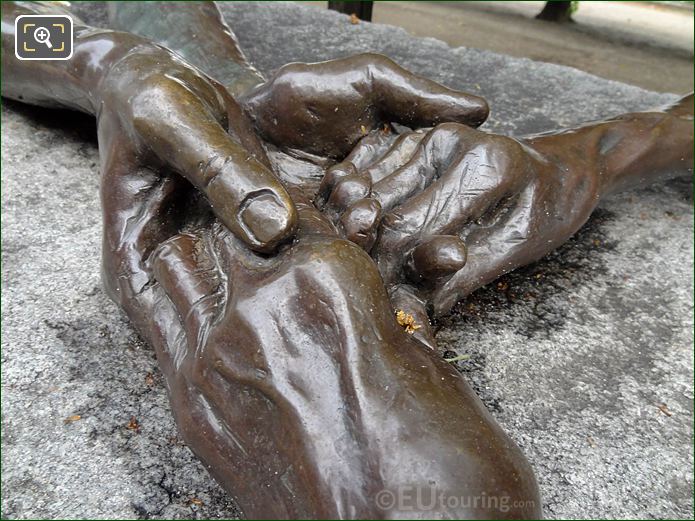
(448, 211)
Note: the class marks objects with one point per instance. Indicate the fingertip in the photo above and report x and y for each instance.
(479, 112)
(360, 222)
(267, 219)
(436, 258)
(254, 205)
(471, 110)
(349, 190)
(333, 175)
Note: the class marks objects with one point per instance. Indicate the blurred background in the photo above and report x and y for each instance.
(648, 44)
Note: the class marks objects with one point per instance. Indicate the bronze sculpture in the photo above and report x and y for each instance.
(510, 201)
(201, 240)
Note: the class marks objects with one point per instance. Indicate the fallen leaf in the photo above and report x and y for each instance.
(133, 424)
(407, 321)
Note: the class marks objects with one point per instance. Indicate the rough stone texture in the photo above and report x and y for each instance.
(573, 355)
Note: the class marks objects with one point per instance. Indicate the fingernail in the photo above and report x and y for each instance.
(267, 220)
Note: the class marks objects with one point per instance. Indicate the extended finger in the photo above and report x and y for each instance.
(242, 191)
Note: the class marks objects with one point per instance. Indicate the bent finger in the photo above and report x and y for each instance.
(436, 258)
(484, 182)
(347, 191)
(187, 273)
(433, 154)
(492, 252)
(371, 147)
(401, 151)
(360, 223)
(368, 151)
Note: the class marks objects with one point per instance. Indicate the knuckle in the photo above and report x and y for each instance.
(395, 224)
(446, 131)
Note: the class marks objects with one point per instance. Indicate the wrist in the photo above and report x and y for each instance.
(220, 56)
(630, 150)
(640, 148)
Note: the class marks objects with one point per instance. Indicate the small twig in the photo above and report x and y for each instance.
(457, 358)
(664, 409)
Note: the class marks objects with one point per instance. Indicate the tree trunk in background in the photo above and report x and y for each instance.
(555, 12)
(363, 10)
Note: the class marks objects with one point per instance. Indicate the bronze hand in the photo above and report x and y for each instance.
(507, 202)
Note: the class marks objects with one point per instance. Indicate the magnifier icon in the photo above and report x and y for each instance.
(43, 35)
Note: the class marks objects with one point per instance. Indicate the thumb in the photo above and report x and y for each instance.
(415, 101)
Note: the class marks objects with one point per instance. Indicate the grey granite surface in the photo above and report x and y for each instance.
(585, 358)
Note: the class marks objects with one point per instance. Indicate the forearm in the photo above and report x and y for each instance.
(630, 150)
(75, 83)
(194, 30)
